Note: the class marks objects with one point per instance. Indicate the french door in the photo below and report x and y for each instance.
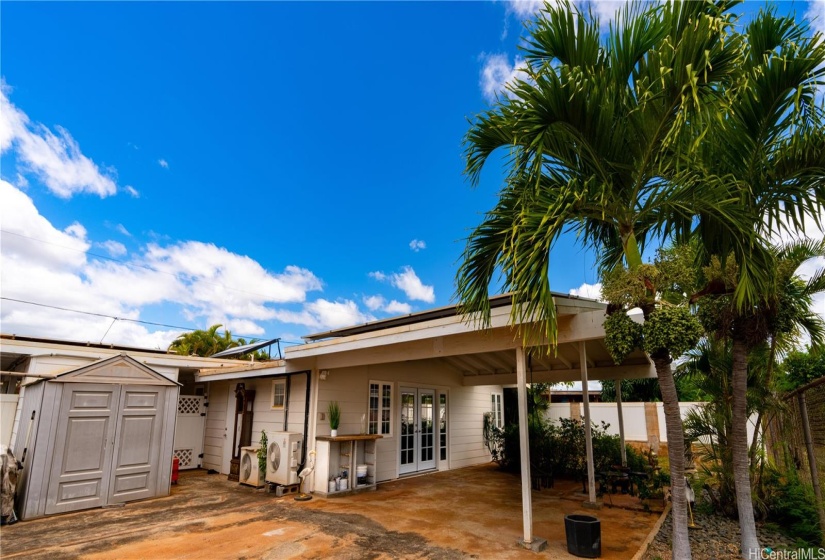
(418, 410)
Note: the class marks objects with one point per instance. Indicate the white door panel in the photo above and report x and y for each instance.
(82, 457)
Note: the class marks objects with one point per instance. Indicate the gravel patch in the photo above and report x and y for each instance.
(716, 538)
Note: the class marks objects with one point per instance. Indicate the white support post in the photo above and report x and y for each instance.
(524, 446)
(591, 475)
(618, 385)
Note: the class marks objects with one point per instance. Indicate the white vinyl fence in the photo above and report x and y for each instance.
(639, 425)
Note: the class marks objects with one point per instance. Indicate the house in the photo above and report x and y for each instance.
(428, 368)
(422, 382)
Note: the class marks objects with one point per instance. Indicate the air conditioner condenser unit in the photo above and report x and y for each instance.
(251, 474)
(282, 457)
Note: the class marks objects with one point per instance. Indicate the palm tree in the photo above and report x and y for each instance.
(203, 342)
(774, 323)
(710, 366)
(595, 132)
(768, 151)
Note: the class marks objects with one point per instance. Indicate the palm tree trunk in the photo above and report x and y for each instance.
(739, 449)
(676, 456)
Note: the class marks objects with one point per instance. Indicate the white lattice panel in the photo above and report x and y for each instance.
(184, 457)
(189, 405)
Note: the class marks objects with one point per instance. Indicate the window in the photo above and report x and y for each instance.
(278, 394)
(498, 416)
(379, 419)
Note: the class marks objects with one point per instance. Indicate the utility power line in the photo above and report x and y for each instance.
(105, 316)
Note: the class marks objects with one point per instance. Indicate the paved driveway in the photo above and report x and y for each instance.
(466, 513)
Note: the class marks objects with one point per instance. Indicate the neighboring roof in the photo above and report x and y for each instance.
(431, 314)
(245, 349)
(13, 347)
(83, 344)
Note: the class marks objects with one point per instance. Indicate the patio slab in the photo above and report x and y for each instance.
(466, 513)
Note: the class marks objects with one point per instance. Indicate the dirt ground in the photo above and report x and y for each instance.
(466, 513)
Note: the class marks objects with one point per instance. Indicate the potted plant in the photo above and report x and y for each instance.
(334, 417)
(262, 451)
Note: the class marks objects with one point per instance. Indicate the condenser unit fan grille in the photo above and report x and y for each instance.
(274, 456)
(246, 467)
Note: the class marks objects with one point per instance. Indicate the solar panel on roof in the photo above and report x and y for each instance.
(245, 349)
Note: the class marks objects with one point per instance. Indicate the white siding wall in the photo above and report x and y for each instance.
(272, 420)
(465, 409)
(57, 364)
(220, 420)
(465, 431)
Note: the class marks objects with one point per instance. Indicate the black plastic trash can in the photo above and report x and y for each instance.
(584, 535)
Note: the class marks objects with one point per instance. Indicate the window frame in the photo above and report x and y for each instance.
(276, 383)
(379, 421)
(497, 408)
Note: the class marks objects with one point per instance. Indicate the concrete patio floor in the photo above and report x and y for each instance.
(467, 513)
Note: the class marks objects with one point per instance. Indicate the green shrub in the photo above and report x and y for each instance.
(792, 506)
(559, 447)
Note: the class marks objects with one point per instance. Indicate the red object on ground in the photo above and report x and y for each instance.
(175, 468)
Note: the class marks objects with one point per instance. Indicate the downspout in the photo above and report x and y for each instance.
(306, 421)
(286, 404)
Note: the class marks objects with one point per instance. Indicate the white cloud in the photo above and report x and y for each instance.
(209, 284)
(590, 291)
(497, 72)
(524, 9)
(114, 248)
(122, 229)
(21, 181)
(605, 10)
(54, 157)
(132, 191)
(76, 230)
(417, 245)
(379, 303)
(374, 303)
(163, 163)
(322, 314)
(816, 15)
(409, 283)
(398, 308)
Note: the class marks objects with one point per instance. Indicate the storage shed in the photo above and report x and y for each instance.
(98, 435)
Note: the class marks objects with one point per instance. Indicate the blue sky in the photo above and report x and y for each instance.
(281, 168)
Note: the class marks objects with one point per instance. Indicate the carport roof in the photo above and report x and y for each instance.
(441, 312)
(484, 356)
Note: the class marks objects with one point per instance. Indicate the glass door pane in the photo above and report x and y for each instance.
(442, 426)
(427, 429)
(408, 422)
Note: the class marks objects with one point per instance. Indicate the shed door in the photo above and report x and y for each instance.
(137, 442)
(82, 456)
